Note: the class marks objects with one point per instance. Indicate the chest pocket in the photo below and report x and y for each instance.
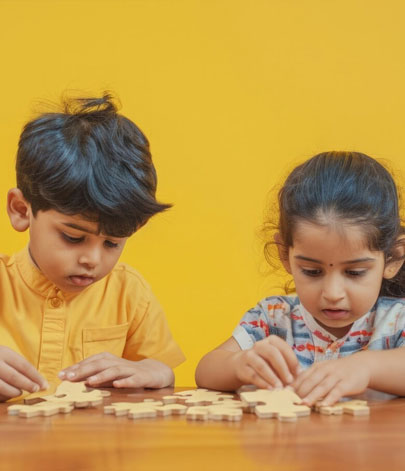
(105, 339)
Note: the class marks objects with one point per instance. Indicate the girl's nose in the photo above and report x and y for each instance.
(333, 289)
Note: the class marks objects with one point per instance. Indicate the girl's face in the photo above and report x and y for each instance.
(337, 277)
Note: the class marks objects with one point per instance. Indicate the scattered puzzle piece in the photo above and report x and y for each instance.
(42, 408)
(281, 403)
(76, 394)
(134, 410)
(354, 407)
(146, 409)
(215, 412)
(197, 397)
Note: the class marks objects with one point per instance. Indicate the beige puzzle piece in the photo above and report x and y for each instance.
(281, 403)
(146, 409)
(42, 408)
(354, 407)
(225, 411)
(196, 397)
(76, 394)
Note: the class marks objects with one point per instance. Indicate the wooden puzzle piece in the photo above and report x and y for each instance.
(196, 397)
(281, 403)
(146, 409)
(216, 412)
(76, 394)
(354, 407)
(134, 410)
(42, 408)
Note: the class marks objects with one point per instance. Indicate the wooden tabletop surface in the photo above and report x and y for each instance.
(86, 439)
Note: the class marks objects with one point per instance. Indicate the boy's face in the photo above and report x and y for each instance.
(69, 251)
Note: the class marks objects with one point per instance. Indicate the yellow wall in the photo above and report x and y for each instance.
(231, 93)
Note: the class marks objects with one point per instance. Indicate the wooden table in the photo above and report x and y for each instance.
(88, 440)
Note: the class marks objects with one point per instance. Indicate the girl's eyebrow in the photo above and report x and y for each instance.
(347, 262)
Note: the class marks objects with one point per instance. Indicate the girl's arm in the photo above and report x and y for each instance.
(269, 363)
(331, 380)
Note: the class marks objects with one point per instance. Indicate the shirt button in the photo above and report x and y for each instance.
(56, 302)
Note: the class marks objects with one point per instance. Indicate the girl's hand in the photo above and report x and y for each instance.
(330, 380)
(106, 370)
(17, 375)
(270, 363)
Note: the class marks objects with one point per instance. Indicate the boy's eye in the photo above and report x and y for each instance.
(110, 244)
(72, 240)
(311, 271)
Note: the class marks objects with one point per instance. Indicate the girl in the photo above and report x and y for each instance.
(339, 235)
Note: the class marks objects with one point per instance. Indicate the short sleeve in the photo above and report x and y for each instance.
(269, 316)
(149, 334)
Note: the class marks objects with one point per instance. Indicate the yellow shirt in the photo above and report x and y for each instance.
(53, 329)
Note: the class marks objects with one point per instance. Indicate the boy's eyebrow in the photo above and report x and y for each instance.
(79, 228)
(347, 262)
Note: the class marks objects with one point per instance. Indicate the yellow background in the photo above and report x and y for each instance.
(231, 94)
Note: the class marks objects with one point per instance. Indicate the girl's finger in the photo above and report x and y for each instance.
(320, 391)
(264, 370)
(275, 358)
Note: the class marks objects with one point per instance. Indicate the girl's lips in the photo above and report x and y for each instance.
(335, 314)
(79, 280)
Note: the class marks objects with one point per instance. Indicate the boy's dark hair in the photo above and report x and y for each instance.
(345, 187)
(92, 161)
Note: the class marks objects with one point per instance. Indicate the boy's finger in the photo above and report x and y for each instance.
(7, 391)
(24, 367)
(63, 374)
(110, 374)
(84, 370)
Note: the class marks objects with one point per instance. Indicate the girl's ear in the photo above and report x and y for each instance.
(18, 210)
(282, 252)
(392, 267)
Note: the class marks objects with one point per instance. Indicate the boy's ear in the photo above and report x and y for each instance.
(18, 210)
(392, 267)
(282, 252)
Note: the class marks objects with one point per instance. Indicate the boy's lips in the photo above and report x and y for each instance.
(81, 280)
(336, 314)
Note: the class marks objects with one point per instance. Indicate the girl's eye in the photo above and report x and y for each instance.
(72, 240)
(311, 272)
(110, 245)
(355, 273)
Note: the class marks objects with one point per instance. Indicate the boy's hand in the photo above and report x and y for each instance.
(106, 370)
(331, 380)
(17, 375)
(270, 363)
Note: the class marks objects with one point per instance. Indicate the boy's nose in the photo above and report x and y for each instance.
(90, 258)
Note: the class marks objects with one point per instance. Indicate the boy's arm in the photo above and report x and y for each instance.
(269, 363)
(331, 380)
(106, 369)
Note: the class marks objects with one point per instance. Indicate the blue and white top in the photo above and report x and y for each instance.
(383, 327)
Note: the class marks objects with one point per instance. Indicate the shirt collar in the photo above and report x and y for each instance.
(323, 334)
(33, 277)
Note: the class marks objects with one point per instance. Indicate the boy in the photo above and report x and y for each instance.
(85, 183)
